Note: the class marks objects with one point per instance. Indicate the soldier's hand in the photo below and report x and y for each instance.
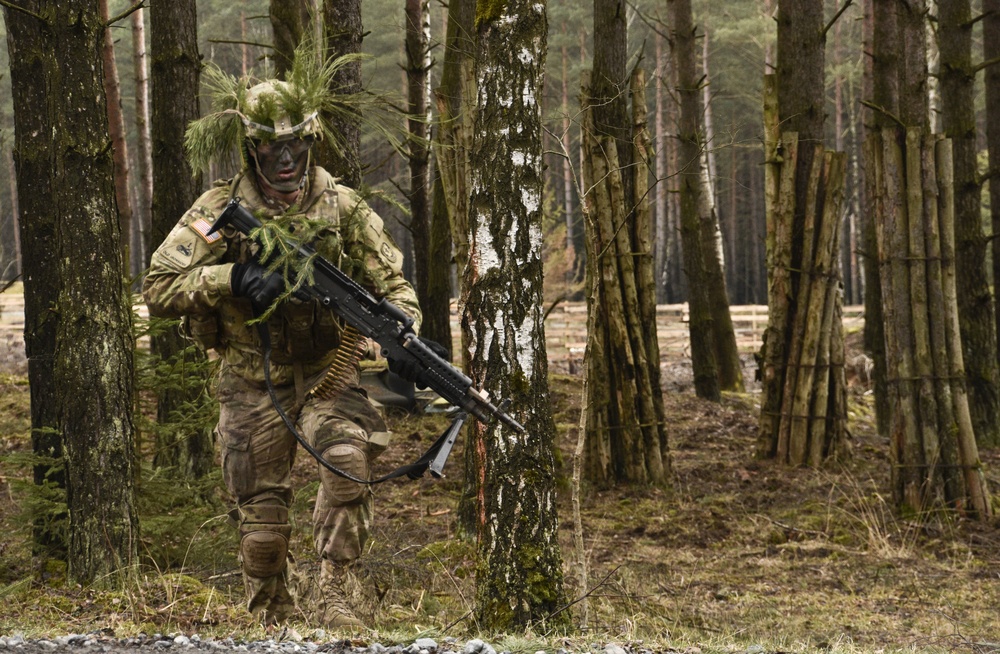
(436, 348)
(252, 281)
(410, 370)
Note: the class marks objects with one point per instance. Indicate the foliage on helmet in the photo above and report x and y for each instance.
(240, 106)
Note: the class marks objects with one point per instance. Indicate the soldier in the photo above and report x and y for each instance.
(214, 282)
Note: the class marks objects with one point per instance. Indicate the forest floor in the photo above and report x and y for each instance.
(740, 555)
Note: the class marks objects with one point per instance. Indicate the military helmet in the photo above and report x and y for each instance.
(267, 115)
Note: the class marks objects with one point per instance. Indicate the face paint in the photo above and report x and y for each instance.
(283, 162)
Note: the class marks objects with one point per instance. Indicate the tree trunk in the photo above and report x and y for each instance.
(660, 191)
(975, 302)
(455, 98)
(519, 570)
(802, 413)
(704, 358)
(568, 179)
(290, 24)
(343, 35)
(143, 207)
(14, 268)
(418, 155)
(880, 93)
(609, 84)
(116, 128)
(67, 192)
(991, 52)
(175, 72)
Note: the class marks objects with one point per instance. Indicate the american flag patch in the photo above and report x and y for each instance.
(202, 226)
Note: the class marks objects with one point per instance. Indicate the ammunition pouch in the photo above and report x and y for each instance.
(203, 330)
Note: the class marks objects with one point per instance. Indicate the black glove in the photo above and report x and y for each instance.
(252, 281)
(410, 370)
(436, 348)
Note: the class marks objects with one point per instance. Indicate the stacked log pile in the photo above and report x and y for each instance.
(935, 457)
(804, 401)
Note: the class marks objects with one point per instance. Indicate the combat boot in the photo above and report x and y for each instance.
(333, 610)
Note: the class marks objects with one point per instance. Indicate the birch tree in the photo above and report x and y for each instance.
(519, 568)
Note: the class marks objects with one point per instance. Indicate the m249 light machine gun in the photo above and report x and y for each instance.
(379, 320)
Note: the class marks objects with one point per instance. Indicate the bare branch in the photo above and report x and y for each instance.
(989, 175)
(837, 16)
(11, 5)
(883, 111)
(254, 43)
(975, 20)
(655, 24)
(985, 64)
(125, 14)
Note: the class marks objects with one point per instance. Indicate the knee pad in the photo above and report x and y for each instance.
(264, 535)
(350, 457)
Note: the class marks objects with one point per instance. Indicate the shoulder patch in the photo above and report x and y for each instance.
(203, 227)
(181, 253)
(388, 252)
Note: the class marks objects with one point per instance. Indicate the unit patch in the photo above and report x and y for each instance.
(179, 254)
(203, 227)
(388, 252)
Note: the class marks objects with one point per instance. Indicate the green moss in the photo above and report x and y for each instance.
(488, 11)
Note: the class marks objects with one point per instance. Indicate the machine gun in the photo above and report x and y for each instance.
(379, 320)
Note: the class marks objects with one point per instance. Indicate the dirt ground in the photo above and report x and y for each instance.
(739, 553)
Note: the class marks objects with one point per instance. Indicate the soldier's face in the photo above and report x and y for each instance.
(283, 162)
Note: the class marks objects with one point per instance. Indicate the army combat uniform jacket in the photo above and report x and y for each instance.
(189, 277)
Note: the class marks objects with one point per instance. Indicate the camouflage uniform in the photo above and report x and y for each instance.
(189, 277)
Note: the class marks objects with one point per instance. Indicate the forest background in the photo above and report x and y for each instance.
(842, 530)
(738, 36)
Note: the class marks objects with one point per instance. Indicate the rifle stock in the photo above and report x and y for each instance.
(381, 321)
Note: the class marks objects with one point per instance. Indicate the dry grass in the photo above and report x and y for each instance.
(739, 556)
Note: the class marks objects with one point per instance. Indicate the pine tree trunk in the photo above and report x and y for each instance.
(626, 438)
(16, 265)
(455, 99)
(116, 128)
(703, 350)
(343, 36)
(979, 331)
(289, 24)
(976, 496)
(803, 404)
(419, 159)
(67, 193)
(991, 52)
(660, 191)
(519, 567)
(175, 70)
(881, 95)
(609, 84)
(658, 460)
(568, 178)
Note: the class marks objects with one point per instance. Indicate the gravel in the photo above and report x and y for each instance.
(289, 642)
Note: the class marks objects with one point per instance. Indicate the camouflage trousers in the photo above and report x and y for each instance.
(257, 456)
